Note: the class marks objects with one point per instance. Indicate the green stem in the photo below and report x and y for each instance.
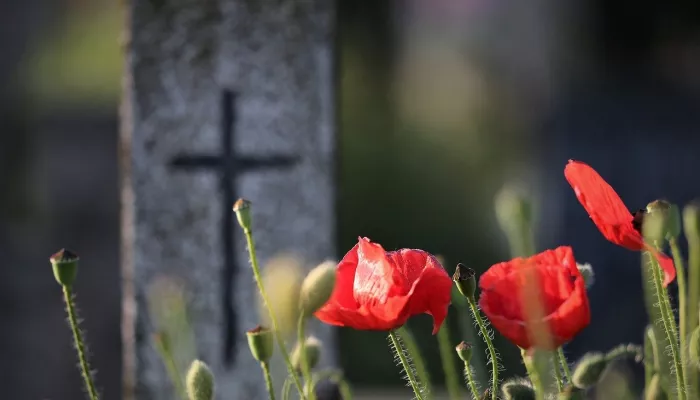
(468, 331)
(693, 297)
(268, 380)
(492, 350)
(470, 381)
(534, 374)
(409, 341)
(172, 369)
(564, 364)
(557, 371)
(266, 303)
(682, 300)
(305, 370)
(79, 343)
(447, 356)
(669, 324)
(286, 389)
(406, 366)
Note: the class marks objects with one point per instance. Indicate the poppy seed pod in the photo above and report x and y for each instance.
(464, 351)
(588, 370)
(260, 341)
(691, 220)
(518, 389)
(317, 288)
(242, 209)
(669, 217)
(65, 267)
(465, 280)
(313, 353)
(200, 381)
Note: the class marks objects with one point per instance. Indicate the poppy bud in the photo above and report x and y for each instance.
(464, 351)
(691, 220)
(586, 271)
(513, 209)
(317, 287)
(588, 371)
(624, 351)
(465, 279)
(655, 390)
(200, 381)
(260, 341)
(242, 209)
(313, 353)
(694, 347)
(65, 267)
(669, 217)
(518, 389)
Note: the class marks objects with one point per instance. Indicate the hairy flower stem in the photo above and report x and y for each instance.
(669, 324)
(79, 343)
(557, 371)
(447, 356)
(534, 374)
(409, 341)
(398, 347)
(564, 364)
(470, 381)
(278, 335)
(492, 350)
(171, 368)
(682, 300)
(268, 380)
(305, 370)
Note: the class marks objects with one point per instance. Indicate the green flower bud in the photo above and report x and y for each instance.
(571, 392)
(317, 287)
(669, 218)
(588, 370)
(518, 389)
(586, 271)
(465, 279)
(242, 209)
(464, 351)
(513, 209)
(691, 220)
(625, 351)
(655, 390)
(313, 353)
(200, 381)
(65, 267)
(694, 347)
(261, 343)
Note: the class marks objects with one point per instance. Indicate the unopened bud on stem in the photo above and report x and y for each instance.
(691, 220)
(313, 353)
(518, 389)
(200, 381)
(465, 279)
(669, 219)
(588, 370)
(261, 343)
(65, 267)
(242, 209)
(317, 288)
(464, 351)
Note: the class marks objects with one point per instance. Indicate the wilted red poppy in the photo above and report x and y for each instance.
(609, 213)
(380, 290)
(563, 299)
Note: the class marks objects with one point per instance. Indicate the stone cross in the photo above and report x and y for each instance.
(223, 99)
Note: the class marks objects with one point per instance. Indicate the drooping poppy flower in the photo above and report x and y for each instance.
(609, 213)
(380, 290)
(562, 295)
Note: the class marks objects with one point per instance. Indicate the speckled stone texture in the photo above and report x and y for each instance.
(181, 54)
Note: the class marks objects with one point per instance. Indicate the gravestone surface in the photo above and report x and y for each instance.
(223, 99)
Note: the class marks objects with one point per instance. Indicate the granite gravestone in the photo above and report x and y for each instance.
(223, 99)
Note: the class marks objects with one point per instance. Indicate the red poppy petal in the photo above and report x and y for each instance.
(374, 280)
(599, 199)
(497, 272)
(665, 262)
(431, 294)
(512, 329)
(571, 316)
(562, 255)
(359, 319)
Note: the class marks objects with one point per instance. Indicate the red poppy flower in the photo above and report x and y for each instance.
(380, 290)
(610, 214)
(563, 296)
